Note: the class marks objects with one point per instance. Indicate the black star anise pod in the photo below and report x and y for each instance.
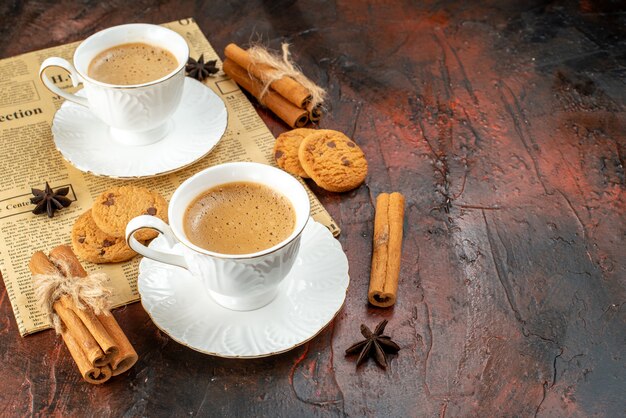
(48, 200)
(200, 69)
(374, 345)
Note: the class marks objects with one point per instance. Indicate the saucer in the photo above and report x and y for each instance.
(308, 299)
(87, 143)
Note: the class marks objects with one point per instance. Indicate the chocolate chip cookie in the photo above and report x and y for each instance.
(114, 208)
(91, 244)
(286, 150)
(333, 160)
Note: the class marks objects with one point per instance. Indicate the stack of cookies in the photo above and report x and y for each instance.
(331, 159)
(98, 234)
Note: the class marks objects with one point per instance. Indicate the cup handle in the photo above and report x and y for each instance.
(60, 62)
(152, 222)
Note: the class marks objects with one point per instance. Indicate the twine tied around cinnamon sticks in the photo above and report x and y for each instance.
(276, 83)
(79, 304)
(284, 67)
(85, 292)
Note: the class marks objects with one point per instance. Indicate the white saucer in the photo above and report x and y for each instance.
(308, 299)
(86, 142)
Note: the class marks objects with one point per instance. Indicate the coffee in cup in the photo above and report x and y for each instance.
(243, 281)
(132, 63)
(239, 218)
(137, 114)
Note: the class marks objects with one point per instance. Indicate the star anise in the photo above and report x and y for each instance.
(48, 200)
(200, 69)
(374, 345)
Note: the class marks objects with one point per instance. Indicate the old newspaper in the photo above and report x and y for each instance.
(29, 159)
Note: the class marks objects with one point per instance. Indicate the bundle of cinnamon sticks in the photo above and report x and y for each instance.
(95, 341)
(286, 97)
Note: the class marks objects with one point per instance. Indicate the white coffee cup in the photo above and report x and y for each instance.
(235, 281)
(136, 114)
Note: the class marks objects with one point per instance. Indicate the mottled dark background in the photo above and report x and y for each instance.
(503, 123)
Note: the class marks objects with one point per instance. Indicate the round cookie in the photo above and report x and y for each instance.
(91, 244)
(286, 150)
(333, 160)
(114, 208)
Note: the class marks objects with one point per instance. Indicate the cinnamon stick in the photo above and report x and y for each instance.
(315, 112)
(385, 272)
(96, 342)
(67, 263)
(81, 345)
(73, 324)
(126, 356)
(95, 329)
(104, 327)
(92, 374)
(287, 111)
(287, 87)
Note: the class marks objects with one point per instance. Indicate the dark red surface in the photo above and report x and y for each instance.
(503, 123)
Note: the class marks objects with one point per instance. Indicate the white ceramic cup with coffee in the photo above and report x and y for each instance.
(137, 114)
(236, 281)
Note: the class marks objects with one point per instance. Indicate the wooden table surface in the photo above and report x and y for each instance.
(503, 123)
